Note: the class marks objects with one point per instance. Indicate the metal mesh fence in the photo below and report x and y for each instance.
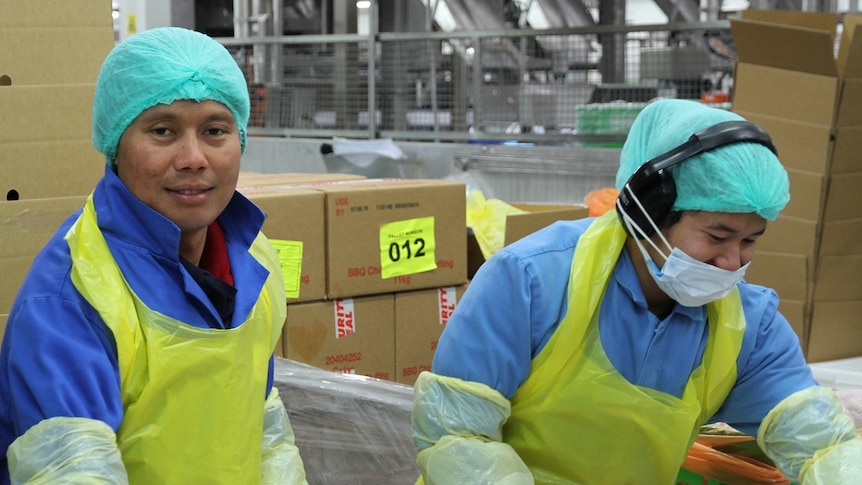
(308, 86)
(559, 86)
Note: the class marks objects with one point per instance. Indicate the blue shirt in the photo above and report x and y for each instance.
(518, 297)
(58, 356)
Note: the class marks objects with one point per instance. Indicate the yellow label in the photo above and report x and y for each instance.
(290, 257)
(132, 24)
(407, 247)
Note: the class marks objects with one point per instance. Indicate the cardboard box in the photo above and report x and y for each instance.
(834, 330)
(838, 238)
(251, 179)
(789, 80)
(51, 168)
(50, 55)
(781, 272)
(295, 226)
(808, 191)
(54, 55)
(539, 216)
(42, 113)
(45, 148)
(846, 149)
(390, 235)
(350, 335)
(834, 283)
(790, 235)
(420, 317)
(842, 199)
(536, 217)
(25, 227)
(55, 13)
(802, 146)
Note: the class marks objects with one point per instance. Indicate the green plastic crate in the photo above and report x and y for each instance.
(687, 477)
(614, 118)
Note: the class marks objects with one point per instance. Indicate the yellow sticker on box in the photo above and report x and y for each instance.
(290, 257)
(407, 247)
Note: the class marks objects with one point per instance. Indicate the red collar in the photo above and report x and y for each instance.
(214, 258)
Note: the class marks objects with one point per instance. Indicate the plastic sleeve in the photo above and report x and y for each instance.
(803, 429)
(281, 462)
(66, 450)
(457, 430)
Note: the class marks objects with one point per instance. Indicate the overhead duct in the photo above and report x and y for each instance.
(461, 15)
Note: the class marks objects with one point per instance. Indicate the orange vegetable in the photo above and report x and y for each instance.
(599, 201)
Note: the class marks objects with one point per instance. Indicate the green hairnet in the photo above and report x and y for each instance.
(160, 66)
(739, 177)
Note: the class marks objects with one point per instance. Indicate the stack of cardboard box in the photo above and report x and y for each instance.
(50, 53)
(789, 80)
(377, 266)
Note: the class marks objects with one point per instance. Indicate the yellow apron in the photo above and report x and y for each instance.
(577, 420)
(193, 397)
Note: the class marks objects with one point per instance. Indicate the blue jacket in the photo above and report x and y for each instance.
(59, 358)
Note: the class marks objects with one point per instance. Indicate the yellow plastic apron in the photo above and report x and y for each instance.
(577, 420)
(193, 397)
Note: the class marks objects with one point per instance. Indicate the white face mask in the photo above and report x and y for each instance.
(690, 282)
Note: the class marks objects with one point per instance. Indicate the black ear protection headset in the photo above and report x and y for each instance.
(653, 184)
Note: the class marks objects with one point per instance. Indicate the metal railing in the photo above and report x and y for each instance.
(578, 86)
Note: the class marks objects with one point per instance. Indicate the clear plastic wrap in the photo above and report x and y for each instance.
(349, 429)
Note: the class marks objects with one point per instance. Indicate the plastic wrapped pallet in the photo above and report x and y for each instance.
(350, 429)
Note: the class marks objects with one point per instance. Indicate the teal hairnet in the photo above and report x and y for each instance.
(739, 177)
(160, 66)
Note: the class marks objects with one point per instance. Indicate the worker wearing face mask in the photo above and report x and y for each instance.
(592, 351)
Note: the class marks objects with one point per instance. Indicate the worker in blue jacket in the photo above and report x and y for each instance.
(140, 345)
(591, 352)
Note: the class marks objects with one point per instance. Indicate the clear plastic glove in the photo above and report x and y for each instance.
(812, 440)
(66, 450)
(280, 459)
(840, 465)
(458, 429)
(472, 461)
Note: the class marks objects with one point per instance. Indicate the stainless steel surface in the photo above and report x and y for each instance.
(535, 174)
